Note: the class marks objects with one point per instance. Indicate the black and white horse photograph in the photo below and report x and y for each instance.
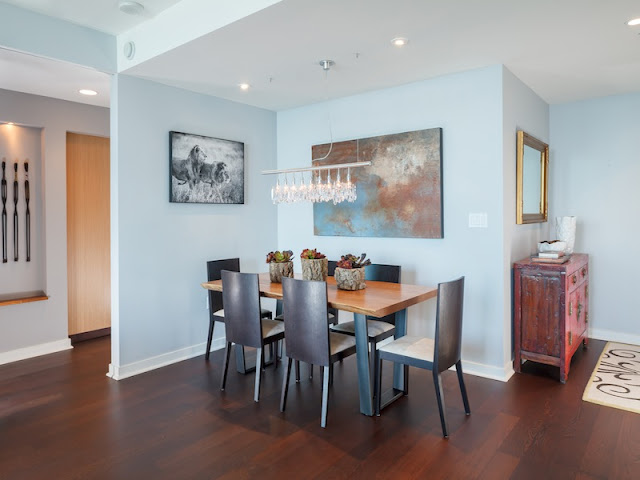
(206, 169)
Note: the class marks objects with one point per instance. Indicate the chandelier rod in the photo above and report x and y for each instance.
(313, 169)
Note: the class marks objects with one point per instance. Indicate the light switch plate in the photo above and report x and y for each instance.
(478, 220)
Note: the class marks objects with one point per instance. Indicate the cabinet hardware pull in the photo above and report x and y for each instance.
(586, 291)
(570, 338)
(579, 310)
(570, 308)
(574, 279)
(586, 317)
(584, 271)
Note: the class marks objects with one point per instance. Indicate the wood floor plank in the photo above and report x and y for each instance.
(500, 465)
(61, 417)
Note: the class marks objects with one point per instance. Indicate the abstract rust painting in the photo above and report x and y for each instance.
(399, 195)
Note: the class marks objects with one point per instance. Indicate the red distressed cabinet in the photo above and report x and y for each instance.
(551, 311)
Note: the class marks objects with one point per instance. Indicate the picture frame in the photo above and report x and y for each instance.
(205, 169)
(400, 195)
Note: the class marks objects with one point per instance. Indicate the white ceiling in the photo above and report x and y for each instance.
(564, 50)
(102, 15)
(51, 78)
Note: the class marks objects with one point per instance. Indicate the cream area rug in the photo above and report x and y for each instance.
(615, 382)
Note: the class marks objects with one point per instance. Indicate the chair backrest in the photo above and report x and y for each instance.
(332, 267)
(214, 272)
(305, 320)
(241, 297)
(448, 339)
(378, 272)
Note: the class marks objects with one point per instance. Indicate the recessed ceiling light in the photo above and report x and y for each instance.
(130, 8)
(86, 91)
(399, 41)
(244, 86)
(633, 22)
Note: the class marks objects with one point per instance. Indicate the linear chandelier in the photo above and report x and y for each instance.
(316, 189)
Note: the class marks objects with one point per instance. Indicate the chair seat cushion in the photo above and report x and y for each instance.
(375, 328)
(263, 312)
(339, 343)
(418, 348)
(271, 328)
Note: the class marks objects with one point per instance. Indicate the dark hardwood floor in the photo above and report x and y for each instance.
(62, 418)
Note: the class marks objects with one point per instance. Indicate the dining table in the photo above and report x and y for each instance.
(378, 299)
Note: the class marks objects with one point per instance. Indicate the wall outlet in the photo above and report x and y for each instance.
(478, 220)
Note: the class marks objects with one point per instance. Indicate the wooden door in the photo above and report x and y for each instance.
(88, 241)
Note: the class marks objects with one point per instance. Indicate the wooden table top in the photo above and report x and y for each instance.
(378, 299)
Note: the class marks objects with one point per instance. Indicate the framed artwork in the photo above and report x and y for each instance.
(205, 169)
(399, 195)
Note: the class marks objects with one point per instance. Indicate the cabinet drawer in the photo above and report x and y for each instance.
(577, 278)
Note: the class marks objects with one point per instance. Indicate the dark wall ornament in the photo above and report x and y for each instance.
(205, 169)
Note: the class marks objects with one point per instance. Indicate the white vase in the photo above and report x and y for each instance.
(566, 231)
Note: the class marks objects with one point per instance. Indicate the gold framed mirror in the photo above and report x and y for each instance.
(532, 179)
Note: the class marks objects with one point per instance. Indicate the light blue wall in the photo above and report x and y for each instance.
(595, 175)
(522, 110)
(468, 107)
(45, 36)
(161, 248)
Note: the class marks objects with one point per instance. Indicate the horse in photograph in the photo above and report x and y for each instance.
(189, 169)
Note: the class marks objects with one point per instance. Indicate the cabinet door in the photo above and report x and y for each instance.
(542, 312)
(582, 309)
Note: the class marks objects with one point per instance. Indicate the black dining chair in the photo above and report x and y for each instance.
(332, 316)
(216, 308)
(308, 338)
(377, 328)
(244, 325)
(436, 355)
(333, 311)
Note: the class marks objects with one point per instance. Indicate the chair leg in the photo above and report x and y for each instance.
(325, 397)
(377, 389)
(285, 385)
(297, 371)
(437, 381)
(225, 365)
(206, 354)
(272, 355)
(405, 390)
(331, 374)
(463, 389)
(259, 364)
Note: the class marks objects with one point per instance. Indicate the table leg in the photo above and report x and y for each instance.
(401, 331)
(362, 359)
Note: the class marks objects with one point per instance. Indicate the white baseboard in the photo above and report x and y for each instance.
(136, 368)
(35, 351)
(487, 371)
(611, 336)
(146, 365)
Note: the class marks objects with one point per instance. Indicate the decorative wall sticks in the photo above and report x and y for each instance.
(16, 215)
(4, 212)
(15, 212)
(27, 214)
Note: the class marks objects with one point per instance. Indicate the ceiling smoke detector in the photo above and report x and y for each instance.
(130, 8)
